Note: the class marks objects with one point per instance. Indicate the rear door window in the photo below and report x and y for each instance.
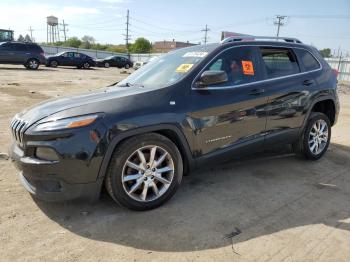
(240, 65)
(279, 62)
(308, 61)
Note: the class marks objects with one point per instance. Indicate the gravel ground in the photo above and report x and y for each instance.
(269, 207)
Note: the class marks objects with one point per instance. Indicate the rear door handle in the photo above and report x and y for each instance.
(256, 92)
(308, 82)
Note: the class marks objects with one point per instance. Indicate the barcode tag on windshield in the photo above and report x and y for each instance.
(195, 54)
(183, 68)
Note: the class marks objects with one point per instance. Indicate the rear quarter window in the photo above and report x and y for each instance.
(35, 48)
(308, 61)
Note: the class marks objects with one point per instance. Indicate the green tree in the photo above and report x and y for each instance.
(20, 38)
(27, 38)
(326, 52)
(72, 42)
(87, 41)
(141, 45)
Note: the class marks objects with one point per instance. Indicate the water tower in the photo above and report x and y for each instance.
(53, 33)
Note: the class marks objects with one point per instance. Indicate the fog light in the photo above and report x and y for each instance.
(46, 153)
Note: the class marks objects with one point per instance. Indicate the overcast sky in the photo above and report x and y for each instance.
(321, 23)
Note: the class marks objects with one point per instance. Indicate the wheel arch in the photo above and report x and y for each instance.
(172, 132)
(316, 102)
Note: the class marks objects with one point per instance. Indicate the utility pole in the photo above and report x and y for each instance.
(279, 22)
(64, 30)
(205, 30)
(127, 35)
(31, 33)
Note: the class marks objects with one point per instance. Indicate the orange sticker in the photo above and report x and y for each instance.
(248, 68)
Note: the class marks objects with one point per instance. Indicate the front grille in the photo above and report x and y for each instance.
(18, 127)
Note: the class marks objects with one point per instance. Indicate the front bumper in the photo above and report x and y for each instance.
(43, 179)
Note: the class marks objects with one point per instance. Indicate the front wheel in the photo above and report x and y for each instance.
(86, 65)
(316, 137)
(144, 172)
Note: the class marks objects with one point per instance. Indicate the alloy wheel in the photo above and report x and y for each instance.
(33, 64)
(147, 173)
(318, 137)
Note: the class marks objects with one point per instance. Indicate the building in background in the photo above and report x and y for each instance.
(6, 35)
(166, 46)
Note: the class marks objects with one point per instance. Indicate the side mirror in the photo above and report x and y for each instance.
(212, 77)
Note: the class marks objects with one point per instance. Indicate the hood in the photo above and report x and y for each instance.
(99, 98)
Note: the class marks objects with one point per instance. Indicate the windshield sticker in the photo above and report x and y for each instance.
(248, 68)
(195, 54)
(183, 68)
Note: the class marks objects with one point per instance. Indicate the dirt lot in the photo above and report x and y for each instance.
(270, 207)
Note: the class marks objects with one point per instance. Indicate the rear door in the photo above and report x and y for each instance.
(287, 91)
(233, 113)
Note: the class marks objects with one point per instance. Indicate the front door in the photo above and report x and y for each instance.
(233, 113)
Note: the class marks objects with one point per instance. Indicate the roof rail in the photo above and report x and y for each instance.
(253, 38)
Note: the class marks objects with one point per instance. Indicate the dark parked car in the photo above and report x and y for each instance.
(115, 61)
(70, 59)
(28, 54)
(193, 107)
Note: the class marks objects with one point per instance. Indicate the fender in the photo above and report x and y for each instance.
(314, 102)
(138, 131)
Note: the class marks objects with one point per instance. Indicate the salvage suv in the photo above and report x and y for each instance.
(191, 107)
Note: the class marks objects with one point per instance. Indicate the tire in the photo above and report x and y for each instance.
(53, 63)
(306, 145)
(106, 65)
(86, 65)
(32, 64)
(120, 186)
(127, 66)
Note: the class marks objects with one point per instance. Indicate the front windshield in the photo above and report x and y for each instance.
(169, 68)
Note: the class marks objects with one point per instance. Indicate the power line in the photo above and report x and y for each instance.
(205, 30)
(279, 22)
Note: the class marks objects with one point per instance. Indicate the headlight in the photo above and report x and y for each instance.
(71, 122)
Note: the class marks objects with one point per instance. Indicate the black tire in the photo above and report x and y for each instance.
(32, 64)
(86, 65)
(301, 147)
(106, 65)
(53, 63)
(113, 180)
(127, 66)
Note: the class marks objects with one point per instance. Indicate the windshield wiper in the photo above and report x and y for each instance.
(130, 85)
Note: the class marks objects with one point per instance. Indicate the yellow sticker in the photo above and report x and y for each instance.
(183, 68)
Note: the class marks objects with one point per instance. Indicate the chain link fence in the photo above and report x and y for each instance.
(52, 50)
(342, 65)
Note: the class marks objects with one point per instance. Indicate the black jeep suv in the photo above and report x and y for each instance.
(191, 107)
(30, 55)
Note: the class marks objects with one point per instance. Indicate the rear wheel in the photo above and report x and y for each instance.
(316, 137)
(32, 64)
(144, 172)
